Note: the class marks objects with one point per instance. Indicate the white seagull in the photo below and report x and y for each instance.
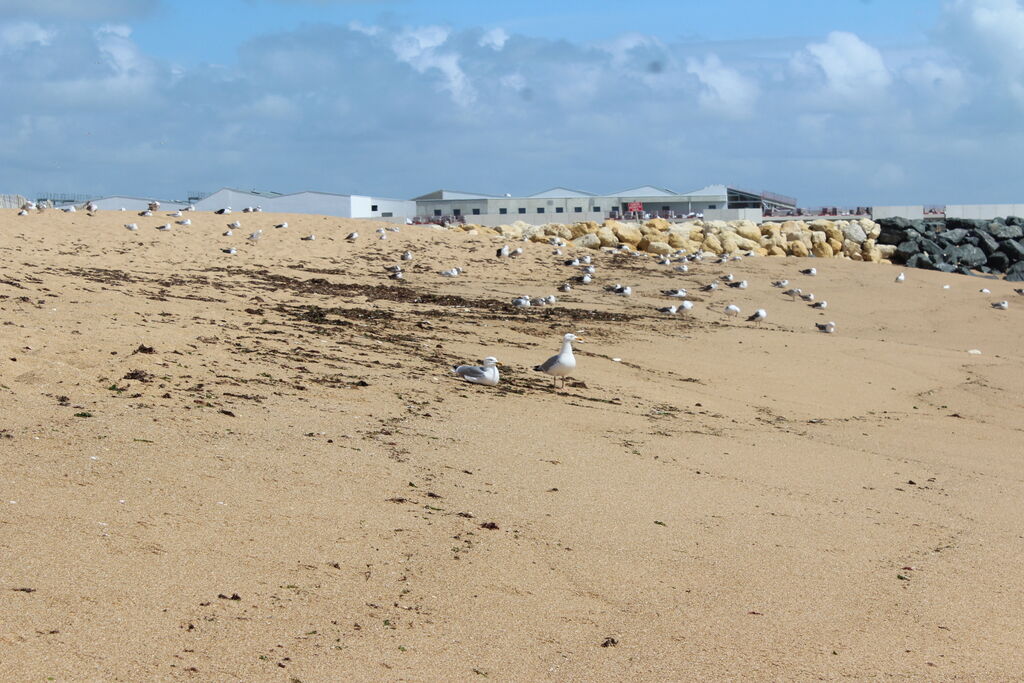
(759, 315)
(565, 287)
(521, 301)
(254, 237)
(407, 256)
(352, 236)
(809, 271)
(733, 310)
(671, 310)
(165, 226)
(742, 284)
(780, 283)
(282, 225)
(132, 226)
(308, 238)
(901, 277)
(503, 252)
(234, 224)
(228, 233)
(230, 250)
(676, 293)
(452, 272)
(827, 328)
(807, 297)
(793, 293)
(487, 374)
(1001, 305)
(562, 364)
(186, 221)
(820, 304)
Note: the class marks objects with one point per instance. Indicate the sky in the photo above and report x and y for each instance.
(844, 102)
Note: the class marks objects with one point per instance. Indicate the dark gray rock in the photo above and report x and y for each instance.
(1014, 220)
(931, 248)
(945, 267)
(920, 260)
(905, 250)
(998, 261)
(967, 255)
(893, 230)
(965, 223)
(955, 236)
(986, 242)
(1013, 249)
(1015, 273)
(1002, 231)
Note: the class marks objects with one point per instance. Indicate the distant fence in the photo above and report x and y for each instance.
(11, 201)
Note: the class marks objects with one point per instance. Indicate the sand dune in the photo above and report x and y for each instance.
(259, 466)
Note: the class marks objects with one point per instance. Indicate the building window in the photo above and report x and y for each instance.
(503, 211)
(578, 209)
(387, 214)
(540, 209)
(476, 212)
(437, 212)
(559, 209)
(522, 210)
(373, 207)
(597, 208)
(457, 212)
(664, 208)
(712, 206)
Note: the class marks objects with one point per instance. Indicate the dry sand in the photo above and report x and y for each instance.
(280, 492)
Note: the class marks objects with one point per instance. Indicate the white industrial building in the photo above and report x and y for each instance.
(318, 203)
(560, 204)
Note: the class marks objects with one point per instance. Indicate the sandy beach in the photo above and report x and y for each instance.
(259, 466)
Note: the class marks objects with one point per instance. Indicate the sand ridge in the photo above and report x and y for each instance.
(260, 467)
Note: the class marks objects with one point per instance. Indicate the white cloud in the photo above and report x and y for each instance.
(494, 39)
(990, 35)
(418, 49)
(21, 34)
(852, 68)
(725, 91)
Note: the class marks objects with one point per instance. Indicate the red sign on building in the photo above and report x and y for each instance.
(635, 206)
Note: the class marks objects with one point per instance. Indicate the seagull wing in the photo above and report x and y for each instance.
(549, 363)
(471, 373)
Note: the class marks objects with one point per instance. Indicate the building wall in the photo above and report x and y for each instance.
(984, 211)
(134, 204)
(754, 215)
(910, 212)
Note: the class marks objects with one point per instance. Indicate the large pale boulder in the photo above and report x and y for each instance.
(854, 232)
(822, 250)
(628, 233)
(728, 241)
(715, 226)
(711, 243)
(678, 240)
(771, 229)
(872, 254)
(798, 248)
(793, 226)
(697, 234)
(886, 250)
(512, 232)
(659, 224)
(745, 244)
(747, 230)
(558, 230)
(850, 248)
(662, 248)
(871, 228)
(776, 250)
(607, 237)
(583, 228)
(589, 240)
(818, 237)
(538, 236)
(836, 244)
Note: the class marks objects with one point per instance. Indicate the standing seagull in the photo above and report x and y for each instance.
(562, 364)
(733, 310)
(759, 315)
(487, 374)
(901, 277)
(503, 252)
(254, 237)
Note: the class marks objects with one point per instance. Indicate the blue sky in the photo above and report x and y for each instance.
(843, 102)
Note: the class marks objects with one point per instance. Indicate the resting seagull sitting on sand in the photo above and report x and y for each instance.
(476, 374)
(562, 364)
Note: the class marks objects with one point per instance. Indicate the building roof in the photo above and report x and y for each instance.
(561, 193)
(453, 194)
(646, 191)
(709, 191)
